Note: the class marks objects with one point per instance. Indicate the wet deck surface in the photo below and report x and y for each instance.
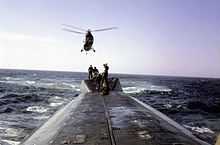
(130, 124)
(88, 125)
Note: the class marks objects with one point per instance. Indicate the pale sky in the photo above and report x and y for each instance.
(158, 37)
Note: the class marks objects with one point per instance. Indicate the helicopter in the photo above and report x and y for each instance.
(89, 39)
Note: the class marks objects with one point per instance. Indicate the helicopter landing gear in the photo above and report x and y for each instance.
(93, 49)
(81, 50)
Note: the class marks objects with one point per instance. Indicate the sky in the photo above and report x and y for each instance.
(154, 37)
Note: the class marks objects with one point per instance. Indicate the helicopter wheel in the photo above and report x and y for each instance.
(93, 49)
(81, 50)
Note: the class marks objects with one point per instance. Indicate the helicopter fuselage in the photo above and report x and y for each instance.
(88, 41)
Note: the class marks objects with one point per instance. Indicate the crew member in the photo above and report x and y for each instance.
(105, 85)
(98, 82)
(95, 72)
(90, 70)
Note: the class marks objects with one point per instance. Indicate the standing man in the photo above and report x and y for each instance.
(98, 82)
(90, 70)
(105, 85)
(106, 70)
(95, 72)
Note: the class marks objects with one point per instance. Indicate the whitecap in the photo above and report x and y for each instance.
(12, 132)
(53, 85)
(56, 101)
(57, 85)
(69, 85)
(159, 88)
(19, 81)
(199, 129)
(1, 128)
(44, 85)
(168, 106)
(12, 78)
(38, 109)
(11, 142)
(57, 98)
(133, 89)
(54, 104)
(6, 78)
(30, 82)
(138, 89)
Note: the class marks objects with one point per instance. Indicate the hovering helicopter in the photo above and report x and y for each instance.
(89, 39)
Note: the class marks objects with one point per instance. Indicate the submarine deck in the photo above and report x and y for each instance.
(115, 119)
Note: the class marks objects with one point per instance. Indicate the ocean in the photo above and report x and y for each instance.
(29, 98)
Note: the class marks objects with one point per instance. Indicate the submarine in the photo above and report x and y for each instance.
(114, 119)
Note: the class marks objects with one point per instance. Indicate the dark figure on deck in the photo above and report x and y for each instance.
(90, 70)
(106, 69)
(105, 85)
(98, 82)
(95, 72)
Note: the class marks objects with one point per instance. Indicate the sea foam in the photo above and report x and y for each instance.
(38, 109)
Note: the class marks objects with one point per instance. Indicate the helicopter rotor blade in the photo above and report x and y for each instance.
(73, 31)
(74, 27)
(105, 29)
